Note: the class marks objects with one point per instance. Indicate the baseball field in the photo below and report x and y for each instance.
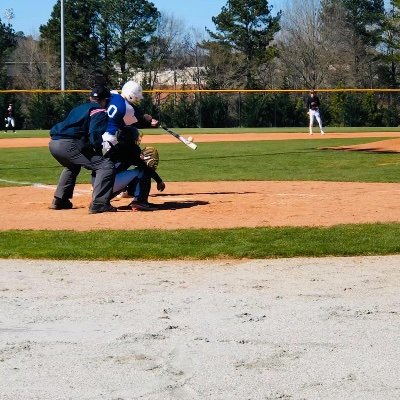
(268, 193)
(271, 271)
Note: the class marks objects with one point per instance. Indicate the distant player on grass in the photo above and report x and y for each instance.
(9, 118)
(313, 105)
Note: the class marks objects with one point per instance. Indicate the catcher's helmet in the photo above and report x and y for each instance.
(132, 92)
(129, 135)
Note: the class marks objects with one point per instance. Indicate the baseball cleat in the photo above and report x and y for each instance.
(143, 206)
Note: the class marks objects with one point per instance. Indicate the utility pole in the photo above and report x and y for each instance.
(62, 48)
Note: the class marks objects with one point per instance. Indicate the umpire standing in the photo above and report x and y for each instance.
(72, 145)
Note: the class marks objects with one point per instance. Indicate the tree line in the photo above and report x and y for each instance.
(311, 44)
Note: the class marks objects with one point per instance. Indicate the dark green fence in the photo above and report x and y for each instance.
(218, 109)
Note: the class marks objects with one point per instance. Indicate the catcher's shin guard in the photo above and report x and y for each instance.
(144, 188)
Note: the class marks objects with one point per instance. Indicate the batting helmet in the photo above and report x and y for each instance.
(132, 92)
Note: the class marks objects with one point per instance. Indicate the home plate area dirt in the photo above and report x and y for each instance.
(188, 205)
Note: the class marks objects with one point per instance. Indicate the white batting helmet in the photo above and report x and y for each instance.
(132, 92)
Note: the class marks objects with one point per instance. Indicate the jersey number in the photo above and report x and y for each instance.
(111, 110)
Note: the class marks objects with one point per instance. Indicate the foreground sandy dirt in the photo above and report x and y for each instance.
(263, 329)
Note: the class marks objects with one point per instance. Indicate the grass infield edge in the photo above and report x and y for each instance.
(203, 244)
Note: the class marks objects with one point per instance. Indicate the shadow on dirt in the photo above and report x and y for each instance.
(196, 193)
(176, 205)
(171, 205)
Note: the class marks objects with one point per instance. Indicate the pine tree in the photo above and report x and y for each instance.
(247, 27)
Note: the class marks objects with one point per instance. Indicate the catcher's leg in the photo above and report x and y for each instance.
(143, 188)
(141, 194)
(124, 179)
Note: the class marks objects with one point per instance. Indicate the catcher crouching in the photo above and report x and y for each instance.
(136, 182)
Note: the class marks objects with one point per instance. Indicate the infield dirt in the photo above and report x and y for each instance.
(187, 205)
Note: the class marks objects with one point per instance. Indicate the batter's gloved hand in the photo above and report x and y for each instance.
(151, 157)
(109, 141)
(149, 118)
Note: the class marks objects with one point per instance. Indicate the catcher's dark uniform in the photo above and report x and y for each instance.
(71, 145)
(127, 153)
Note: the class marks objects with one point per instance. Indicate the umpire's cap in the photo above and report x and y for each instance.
(100, 93)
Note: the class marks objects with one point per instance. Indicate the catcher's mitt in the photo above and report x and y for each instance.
(151, 157)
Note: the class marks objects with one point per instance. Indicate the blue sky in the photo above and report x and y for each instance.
(30, 14)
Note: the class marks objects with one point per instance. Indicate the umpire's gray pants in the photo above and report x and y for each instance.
(73, 154)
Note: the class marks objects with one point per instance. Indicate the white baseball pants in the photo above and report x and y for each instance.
(10, 121)
(315, 114)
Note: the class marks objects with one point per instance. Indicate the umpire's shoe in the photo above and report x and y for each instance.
(61, 204)
(103, 209)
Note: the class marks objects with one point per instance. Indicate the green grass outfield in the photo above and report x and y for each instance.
(262, 160)
(288, 160)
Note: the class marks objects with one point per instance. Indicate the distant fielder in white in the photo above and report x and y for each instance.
(313, 104)
(9, 118)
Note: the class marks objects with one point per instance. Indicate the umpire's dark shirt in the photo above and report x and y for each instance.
(88, 121)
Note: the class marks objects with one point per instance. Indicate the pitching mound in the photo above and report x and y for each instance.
(382, 146)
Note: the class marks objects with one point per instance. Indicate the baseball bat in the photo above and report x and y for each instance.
(192, 145)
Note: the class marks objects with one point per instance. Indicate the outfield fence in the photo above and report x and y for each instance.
(40, 109)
